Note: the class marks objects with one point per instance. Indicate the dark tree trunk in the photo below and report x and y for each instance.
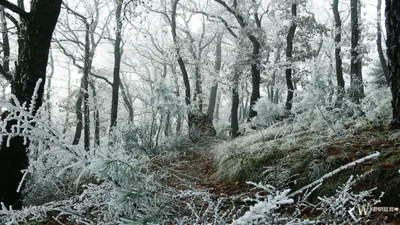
(235, 104)
(214, 88)
(5, 69)
(393, 50)
(356, 82)
(79, 117)
(197, 97)
(39, 25)
(96, 115)
(338, 48)
(167, 125)
(289, 50)
(255, 76)
(117, 64)
(127, 102)
(217, 106)
(379, 43)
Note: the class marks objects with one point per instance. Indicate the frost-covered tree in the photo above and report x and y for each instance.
(356, 80)
(35, 31)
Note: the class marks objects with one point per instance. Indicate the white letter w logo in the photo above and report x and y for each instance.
(364, 209)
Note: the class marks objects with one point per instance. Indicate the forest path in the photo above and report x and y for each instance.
(195, 170)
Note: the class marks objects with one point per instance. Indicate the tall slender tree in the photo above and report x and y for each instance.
(382, 58)
(393, 51)
(36, 31)
(289, 52)
(117, 63)
(338, 48)
(217, 67)
(356, 81)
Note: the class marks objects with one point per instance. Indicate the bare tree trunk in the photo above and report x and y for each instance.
(356, 81)
(167, 125)
(379, 43)
(117, 64)
(235, 104)
(217, 106)
(289, 50)
(276, 96)
(338, 48)
(85, 94)
(5, 69)
(33, 52)
(79, 117)
(126, 97)
(217, 68)
(96, 115)
(393, 49)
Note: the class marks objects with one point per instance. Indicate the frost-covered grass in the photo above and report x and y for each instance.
(294, 163)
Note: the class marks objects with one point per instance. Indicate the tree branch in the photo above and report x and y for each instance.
(18, 10)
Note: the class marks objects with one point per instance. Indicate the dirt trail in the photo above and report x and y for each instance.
(196, 170)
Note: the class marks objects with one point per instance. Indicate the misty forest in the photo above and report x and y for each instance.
(199, 112)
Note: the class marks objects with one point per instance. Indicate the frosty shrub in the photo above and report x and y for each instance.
(55, 167)
(134, 196)
(333, 209)
(59, 175)
(336, 207)
(268, 112)
(377, 106)
(136, 138)
(204, 208)
(265, 209)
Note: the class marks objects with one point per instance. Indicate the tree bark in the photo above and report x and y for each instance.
(356, 81)
(96, 115)
(127, 102)
(338, 47)
(117, 64)
(5, 70)
(379, 43)
(38, 25)
(289, 51)
(79, 117)
(235, 104)
(255, 76)
(214, 88)
(85, 86)
(393, 50)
